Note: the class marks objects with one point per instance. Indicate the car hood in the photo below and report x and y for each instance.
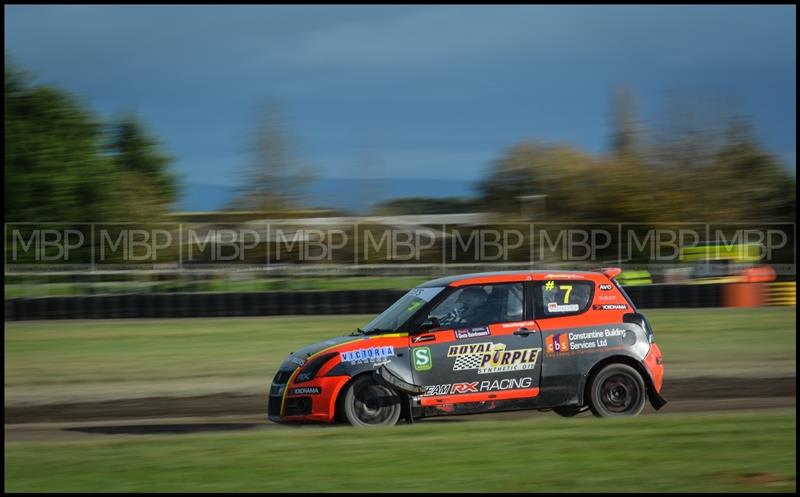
(299, 358)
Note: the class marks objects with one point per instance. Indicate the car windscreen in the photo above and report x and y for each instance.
(405, 307)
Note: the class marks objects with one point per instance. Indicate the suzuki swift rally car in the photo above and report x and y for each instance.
(562, 341)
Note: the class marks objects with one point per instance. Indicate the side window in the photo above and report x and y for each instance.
(515, 304)
(481, 305)
(560, 298)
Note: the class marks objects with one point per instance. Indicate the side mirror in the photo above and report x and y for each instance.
(430, 323)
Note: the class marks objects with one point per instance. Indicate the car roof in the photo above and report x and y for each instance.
(509, 277)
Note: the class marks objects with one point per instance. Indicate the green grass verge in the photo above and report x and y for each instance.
(61, 361)
(683, 453)
(727, 341)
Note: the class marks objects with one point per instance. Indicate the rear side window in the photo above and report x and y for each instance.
(562, 297)
(624, 294)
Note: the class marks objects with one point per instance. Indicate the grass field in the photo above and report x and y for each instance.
(719, 453)
(68, 361)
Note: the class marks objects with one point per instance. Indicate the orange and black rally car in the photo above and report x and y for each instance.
(561, 340)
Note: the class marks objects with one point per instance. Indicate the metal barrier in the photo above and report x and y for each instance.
(180, 305)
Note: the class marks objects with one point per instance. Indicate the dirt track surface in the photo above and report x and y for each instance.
(54, 431)
(724, 393)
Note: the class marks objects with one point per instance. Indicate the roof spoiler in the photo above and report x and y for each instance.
(611, 272)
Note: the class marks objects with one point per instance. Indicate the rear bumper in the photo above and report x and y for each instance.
(654, 364)
(656, 400)
(655, 367)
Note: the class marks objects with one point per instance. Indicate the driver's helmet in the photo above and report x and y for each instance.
(470, 304)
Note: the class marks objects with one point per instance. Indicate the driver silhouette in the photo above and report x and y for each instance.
(470, 309)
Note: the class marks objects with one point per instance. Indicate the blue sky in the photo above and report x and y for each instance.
(412, 91)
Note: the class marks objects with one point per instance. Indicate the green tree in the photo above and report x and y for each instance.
(750, 185)
(62, 166)
(704, 165)
(561, 173)
(152, 186)
(54, 166)
(708, 166)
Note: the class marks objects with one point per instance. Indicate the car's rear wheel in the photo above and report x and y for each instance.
(569, 411)
(617, 390)
(368, 403)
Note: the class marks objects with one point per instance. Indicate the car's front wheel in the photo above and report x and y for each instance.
(617, 390)
(368, 403)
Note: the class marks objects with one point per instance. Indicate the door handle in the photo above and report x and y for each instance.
(523, 332)
(423, 338)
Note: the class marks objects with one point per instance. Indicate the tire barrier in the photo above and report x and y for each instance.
(781, 293)
(183, 305)
(672, 296)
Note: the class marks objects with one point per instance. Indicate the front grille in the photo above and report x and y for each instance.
(298, 406)
(276, 394)
(274, 406)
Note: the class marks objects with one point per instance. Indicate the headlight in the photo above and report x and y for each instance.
(311, 368)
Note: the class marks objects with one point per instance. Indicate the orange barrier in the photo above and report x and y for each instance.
(743, 295)
(759, 274)
(751, 290)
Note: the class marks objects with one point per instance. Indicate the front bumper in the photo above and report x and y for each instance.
(294, 407)
(311, 401)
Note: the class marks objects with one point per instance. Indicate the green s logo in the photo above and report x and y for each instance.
(422, 359)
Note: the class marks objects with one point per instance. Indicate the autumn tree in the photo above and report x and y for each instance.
(275, 178)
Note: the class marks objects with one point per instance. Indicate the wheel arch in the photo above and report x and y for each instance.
(618, 359)
(405, 398)
(336, 416)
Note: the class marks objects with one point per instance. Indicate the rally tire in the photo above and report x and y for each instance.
(367, 403)
(617, 390)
